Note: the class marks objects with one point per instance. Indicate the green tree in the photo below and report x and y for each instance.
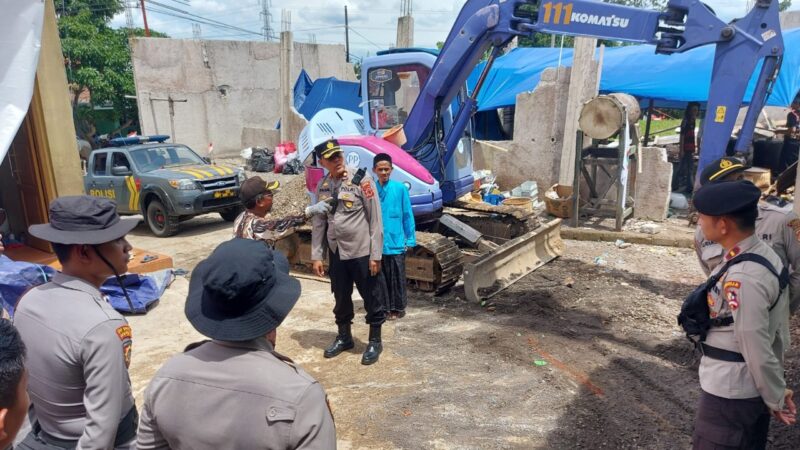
(784, 5)
(98, 62)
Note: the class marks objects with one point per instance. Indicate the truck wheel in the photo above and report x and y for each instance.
(159, 221)
(230, 214)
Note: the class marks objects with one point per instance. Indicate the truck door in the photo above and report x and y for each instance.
(99, 177)
(121, 181)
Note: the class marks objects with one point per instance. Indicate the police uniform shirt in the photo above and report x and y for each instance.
(746, 292)
(356, 229)
(234, 395)
(79, 351)
(778, 227)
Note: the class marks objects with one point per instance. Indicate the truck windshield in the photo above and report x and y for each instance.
(392, 92)
(153, 158)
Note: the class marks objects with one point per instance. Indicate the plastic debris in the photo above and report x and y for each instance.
(540, 362)
(678, 201)
(622, 244)
(650, 228)
(601, 260)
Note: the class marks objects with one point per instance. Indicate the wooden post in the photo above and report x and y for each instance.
(647, 125)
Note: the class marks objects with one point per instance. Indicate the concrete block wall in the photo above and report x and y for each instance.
(535, 152)
(231, 88)
(653, 185)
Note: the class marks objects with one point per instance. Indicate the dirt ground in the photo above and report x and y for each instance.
(583, 353)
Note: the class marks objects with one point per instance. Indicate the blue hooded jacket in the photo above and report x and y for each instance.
(398, 218)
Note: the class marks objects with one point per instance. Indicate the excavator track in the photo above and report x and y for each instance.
(434, 265)
(498, 223)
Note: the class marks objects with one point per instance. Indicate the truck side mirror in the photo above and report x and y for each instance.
(121, 171)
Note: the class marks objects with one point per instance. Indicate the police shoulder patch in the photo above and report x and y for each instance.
(126, 352)
(366, 188)
(124, 332)
(731, 294)
(795, 225)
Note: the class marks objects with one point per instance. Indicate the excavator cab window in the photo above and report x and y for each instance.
(392, 92)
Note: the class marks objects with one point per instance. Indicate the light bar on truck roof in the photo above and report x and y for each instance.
(135, 140)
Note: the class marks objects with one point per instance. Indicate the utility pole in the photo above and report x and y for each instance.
(128, 16)
(144, 19)
(346, 36)
(171, 102)
(197, 32)
(266, 16)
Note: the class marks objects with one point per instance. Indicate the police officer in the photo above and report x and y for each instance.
(777, 225)
(79, 347)
(741, 371)
(353, 235)
(236, 391)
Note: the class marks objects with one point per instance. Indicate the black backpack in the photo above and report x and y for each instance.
(695, 316)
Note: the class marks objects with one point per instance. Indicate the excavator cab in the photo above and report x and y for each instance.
(393, 83)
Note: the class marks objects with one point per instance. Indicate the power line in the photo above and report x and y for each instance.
(202, 21)
(180, 11)
(365, 38)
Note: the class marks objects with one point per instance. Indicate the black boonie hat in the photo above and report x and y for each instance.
(726, 197)
(241, 291)
(327, 149)
(717, 170)
(81, 219)
(254, 186)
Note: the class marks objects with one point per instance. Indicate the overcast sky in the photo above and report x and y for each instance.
(372, 22)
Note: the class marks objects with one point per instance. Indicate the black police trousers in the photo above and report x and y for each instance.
(343, 274)
(723, 423)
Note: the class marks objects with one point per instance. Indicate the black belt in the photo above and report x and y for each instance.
(126, 432)
(723, 322)
(720, 354)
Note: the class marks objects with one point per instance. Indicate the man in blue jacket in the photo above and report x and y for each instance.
(398, 234)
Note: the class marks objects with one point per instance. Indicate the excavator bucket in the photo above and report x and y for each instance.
(502, 267)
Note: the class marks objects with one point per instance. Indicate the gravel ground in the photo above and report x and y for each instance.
(582, 353)
(290, 200)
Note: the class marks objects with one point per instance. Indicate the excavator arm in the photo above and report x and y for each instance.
(488, 25)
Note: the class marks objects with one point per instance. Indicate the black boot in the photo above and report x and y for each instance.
(374, 347)
(343, 341)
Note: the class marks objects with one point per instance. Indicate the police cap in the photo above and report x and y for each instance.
(721, 168)
(327, 149)
(727, 197)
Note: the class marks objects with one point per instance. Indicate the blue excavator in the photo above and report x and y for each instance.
(423, 95)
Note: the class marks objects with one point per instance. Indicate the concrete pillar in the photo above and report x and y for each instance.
(512, 45)
(535, 152)
(582, 87)
(653, 184)
(405, 32)
(287, 97)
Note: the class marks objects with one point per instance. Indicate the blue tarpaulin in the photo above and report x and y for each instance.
(635, 70)
(16, 277)
(310, 97)
(143, 290)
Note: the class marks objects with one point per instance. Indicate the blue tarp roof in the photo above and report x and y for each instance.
(635, 70)
(310, 97)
